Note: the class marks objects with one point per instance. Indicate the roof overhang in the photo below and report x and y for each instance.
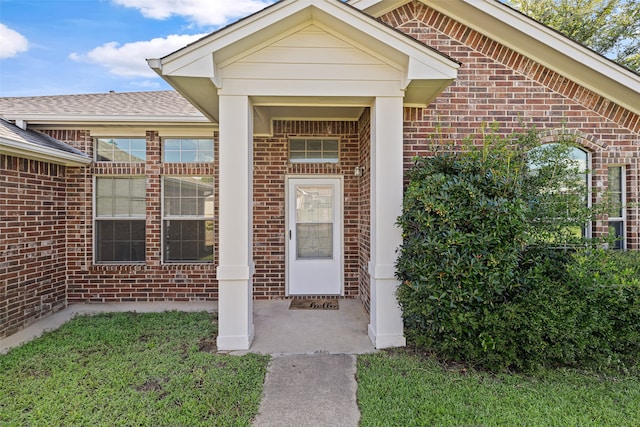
(17, 148)
(536, 41)
(201, 71)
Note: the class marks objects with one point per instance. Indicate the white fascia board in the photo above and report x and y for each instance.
(227, 36)
(88, 119)
(469, 13)
(190, 67)
(377, 7)
(556, 41)
(418, 70)
(391, 38)
(36, 152)
(279, 12)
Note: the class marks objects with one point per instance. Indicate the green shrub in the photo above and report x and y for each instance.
(482, 279)
(464, 228)
(607, 283)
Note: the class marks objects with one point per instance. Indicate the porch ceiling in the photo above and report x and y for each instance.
(306, 59)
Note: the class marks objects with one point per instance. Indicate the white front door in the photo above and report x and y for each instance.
(314, 236)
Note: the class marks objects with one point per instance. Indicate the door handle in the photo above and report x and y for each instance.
(289, 234)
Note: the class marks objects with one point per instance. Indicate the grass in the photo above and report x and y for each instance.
(130, 369)
(401, 388)
(161, 370)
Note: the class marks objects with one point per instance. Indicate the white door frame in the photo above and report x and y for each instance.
(339, 218)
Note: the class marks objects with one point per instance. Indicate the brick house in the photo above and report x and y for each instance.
(275, 168)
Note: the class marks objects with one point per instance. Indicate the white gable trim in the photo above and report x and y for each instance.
(203, 71)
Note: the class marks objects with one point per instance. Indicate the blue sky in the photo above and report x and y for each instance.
(58, 47)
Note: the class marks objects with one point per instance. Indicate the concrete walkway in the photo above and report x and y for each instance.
(311, 377)
(310, 390)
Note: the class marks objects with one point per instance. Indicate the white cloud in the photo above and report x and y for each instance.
(11, 42)
(129, 59)
(202, 12)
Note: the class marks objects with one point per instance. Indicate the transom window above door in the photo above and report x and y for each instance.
(314, 150)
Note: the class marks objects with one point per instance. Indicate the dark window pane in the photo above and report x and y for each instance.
(190, 230)
(314, 145)
(616, 231)
(331, 145)
(188, 241)
(120, 241)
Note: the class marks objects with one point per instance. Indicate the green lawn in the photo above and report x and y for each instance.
(129, 369)
(162, 370)
(400, 388)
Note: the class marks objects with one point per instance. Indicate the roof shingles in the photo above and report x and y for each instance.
(159, 103)
(12, 133)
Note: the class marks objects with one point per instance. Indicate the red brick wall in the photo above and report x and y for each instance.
(271, 165)
(40, 202)
(152, 281)
(32, 241)
(364, 222)
(497, 84)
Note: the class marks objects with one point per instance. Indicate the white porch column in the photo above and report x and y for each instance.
(235, 269)
(386, 327)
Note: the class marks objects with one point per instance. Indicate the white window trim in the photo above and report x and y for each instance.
(313, 161)
(623, 200)
(213, 148)
(163, 218)
(95, 148)
(95, 218)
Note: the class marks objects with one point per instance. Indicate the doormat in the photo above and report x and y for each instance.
(314, 304)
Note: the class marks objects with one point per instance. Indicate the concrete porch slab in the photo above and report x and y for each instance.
(280, 331)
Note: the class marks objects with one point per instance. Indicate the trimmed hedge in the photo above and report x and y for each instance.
(475, 288)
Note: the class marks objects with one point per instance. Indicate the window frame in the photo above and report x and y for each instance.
(96, 218)
(306, 160)
(587, 228)
(204, 217)
(129, 138)
(622, 220)
(181, 139)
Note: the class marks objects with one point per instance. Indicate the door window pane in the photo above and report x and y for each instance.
(314, 204)
(314, 221)
(314, 241)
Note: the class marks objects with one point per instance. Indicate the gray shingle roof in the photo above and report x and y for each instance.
(160, 103)
(12, 133)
